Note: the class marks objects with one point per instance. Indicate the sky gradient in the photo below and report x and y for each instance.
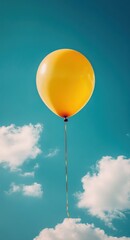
(32, 176)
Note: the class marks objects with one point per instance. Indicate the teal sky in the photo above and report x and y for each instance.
(29, 31)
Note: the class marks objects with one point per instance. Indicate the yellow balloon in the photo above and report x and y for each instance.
(65, 81)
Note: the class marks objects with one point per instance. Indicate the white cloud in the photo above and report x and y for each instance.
(36, 166)
(27, 174)
(18, 144)
(52, 153)
(107, 192)
(34, 190)
(74, 230)
(14, 188)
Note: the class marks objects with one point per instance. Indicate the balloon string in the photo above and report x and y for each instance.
(66, 166)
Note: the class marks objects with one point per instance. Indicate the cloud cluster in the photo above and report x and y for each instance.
(74, 230)
(18, 144)
(34, 190)
(106, 193)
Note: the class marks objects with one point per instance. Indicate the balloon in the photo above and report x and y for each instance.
(65, 81)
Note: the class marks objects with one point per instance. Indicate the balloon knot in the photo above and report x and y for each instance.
(65, 119)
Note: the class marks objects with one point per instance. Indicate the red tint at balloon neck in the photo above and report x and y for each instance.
(65, 116)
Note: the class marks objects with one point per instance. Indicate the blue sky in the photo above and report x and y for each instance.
(32, 178)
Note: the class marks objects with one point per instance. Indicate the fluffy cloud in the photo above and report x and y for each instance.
(18, 144)
(74, 230)
(34, 190)
(107, 191)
